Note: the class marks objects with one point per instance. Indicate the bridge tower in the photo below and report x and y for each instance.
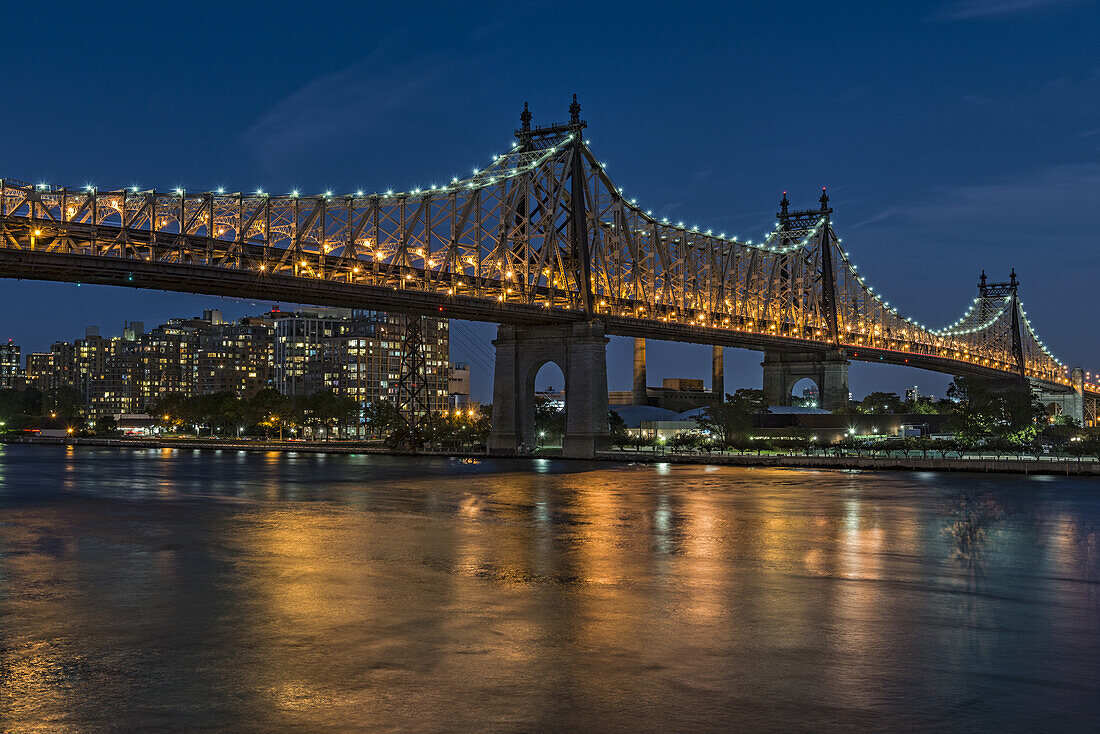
(989, 294)
(578, 349)
(829, 368)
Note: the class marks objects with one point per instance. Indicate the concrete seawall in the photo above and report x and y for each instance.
(198, 444)
(1064, 467)
(1070, 467)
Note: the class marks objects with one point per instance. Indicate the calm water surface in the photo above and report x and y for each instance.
(200, 591)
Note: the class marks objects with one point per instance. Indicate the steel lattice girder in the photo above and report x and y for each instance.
(505, 236)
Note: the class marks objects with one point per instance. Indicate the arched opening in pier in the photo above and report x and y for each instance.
(806, 393)
(547, 389)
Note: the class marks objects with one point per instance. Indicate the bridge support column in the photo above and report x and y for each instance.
(1069, 401)
(1078, 378)
(580, 350)
(828, 370)
(718, 373)
(640, 394)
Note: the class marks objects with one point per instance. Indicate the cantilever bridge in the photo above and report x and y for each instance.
(543, 242)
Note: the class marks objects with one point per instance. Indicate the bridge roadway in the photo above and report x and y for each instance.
(159, 274)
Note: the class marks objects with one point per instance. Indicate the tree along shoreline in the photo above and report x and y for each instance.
(267, 415)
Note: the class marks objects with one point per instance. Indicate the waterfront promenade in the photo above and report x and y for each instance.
(984, 463)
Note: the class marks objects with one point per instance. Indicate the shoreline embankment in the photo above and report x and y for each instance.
(980, 464)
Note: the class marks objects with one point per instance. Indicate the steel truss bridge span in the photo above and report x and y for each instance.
(90, 270)
(540, 236)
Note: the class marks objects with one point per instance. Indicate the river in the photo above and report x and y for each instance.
(179, 590)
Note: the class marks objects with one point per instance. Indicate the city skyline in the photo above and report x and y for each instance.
(548, 378)
(351, 353)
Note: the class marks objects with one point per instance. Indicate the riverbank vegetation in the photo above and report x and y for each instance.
(268, 414)
(979, 419)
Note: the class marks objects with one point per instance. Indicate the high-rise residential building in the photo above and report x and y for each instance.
(131, 330)
(166, 362)
(115, 389)
(358, 359)
(196, 356)
(11, 366)
(65, 371)
(91, 360)
(72, 365)
(810, 397)
(39, 370)
(355, 354)
(362, 359)
(458, 385)
(111, 390)
(237, 357)
(299, 340)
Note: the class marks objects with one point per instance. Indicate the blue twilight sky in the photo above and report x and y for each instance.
(953, 134)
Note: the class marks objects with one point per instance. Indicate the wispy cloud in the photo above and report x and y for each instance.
(339, 105)
(1053, 202)
(972, 9)
(924, 252)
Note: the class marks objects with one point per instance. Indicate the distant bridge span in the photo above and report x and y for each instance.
(539, 239)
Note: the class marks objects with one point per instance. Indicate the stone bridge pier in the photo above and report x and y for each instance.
(827, 370)
(580, 351)
(1070, 401)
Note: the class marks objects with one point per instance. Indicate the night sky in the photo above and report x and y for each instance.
(953, 136)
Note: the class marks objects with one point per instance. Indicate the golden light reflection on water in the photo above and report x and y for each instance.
(348, 593)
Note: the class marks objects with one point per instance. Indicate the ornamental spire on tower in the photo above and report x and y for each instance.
(784, 204)
(575, 111)
(525, 119)
(824, 199)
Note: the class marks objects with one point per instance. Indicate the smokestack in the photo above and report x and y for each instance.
(640, 397)
(717, 375)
